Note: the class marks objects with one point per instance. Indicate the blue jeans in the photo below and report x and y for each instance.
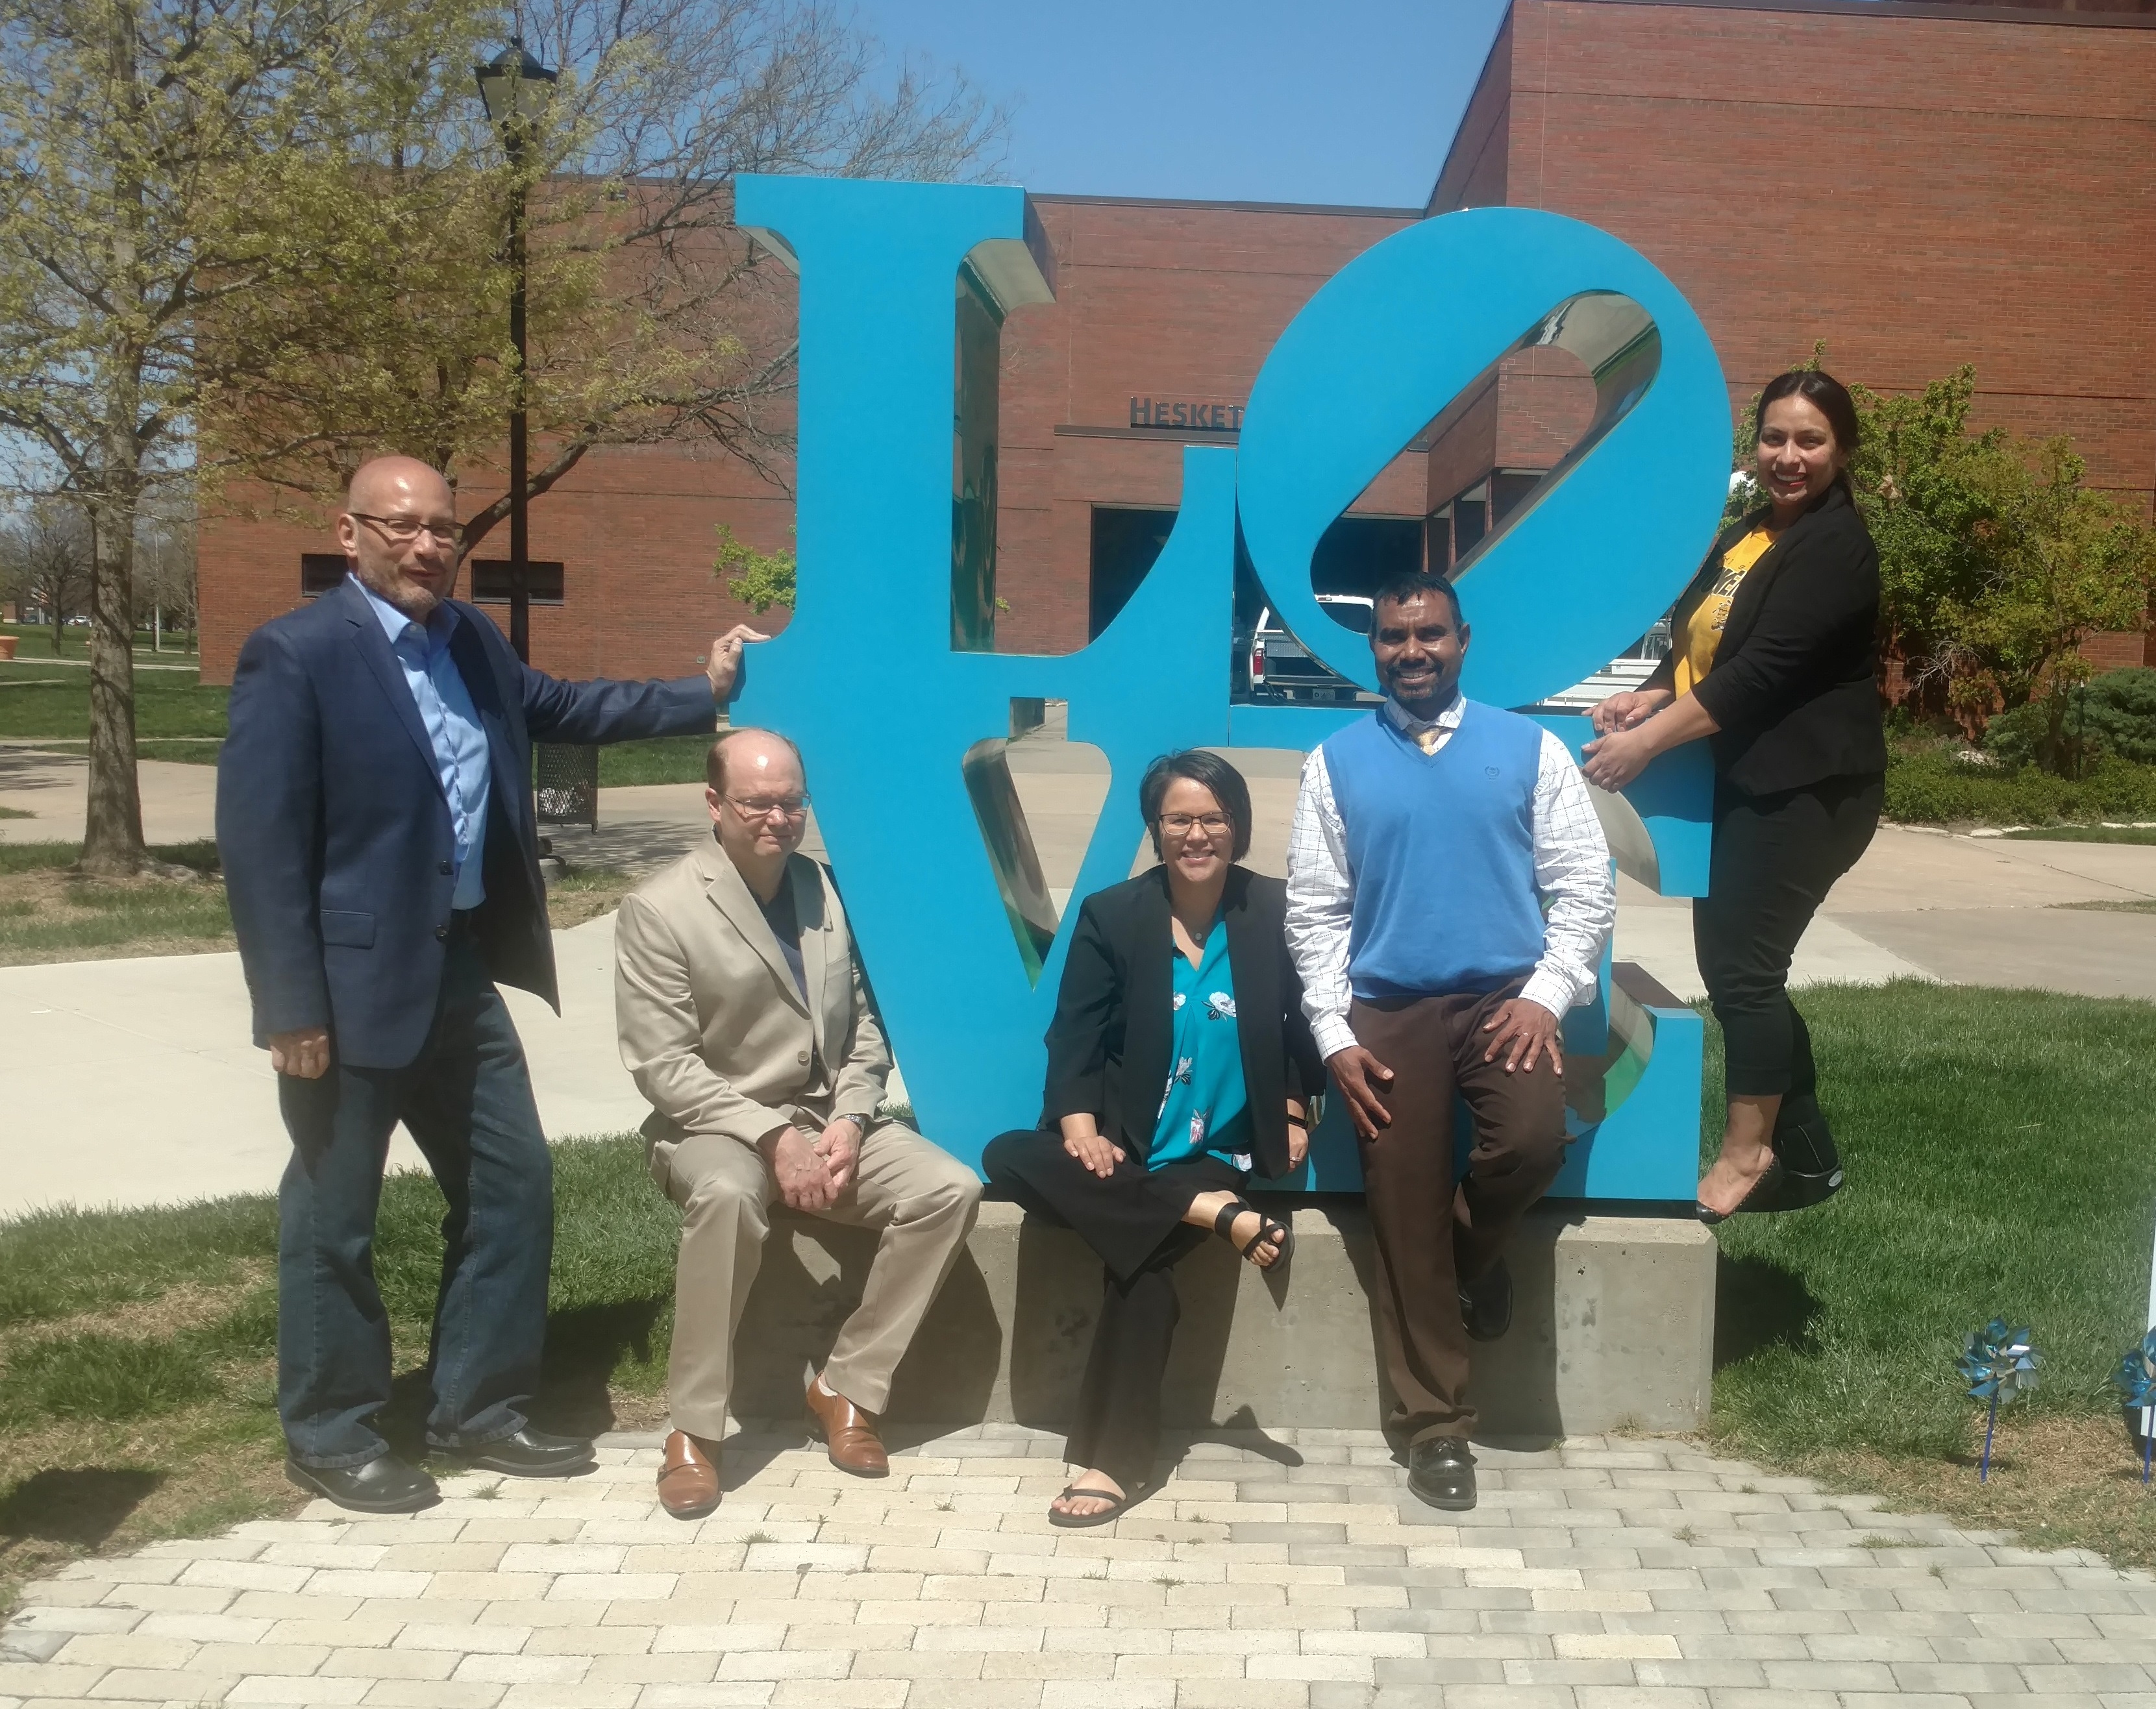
(467, 1101)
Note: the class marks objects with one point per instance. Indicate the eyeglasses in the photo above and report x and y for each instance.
(1178, 825)
(763, 806)
(405, 529)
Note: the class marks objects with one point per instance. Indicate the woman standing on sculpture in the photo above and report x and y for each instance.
(1178, 1064)
(1775, 664)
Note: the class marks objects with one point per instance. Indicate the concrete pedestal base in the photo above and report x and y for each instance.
(1613, 1328)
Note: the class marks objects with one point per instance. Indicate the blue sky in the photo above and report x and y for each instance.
(1348, 101)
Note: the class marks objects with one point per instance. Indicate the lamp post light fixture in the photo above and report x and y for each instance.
(514, 88)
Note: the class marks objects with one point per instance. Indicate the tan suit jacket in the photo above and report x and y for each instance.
(713, 1028)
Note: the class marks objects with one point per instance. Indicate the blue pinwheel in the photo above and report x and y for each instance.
(2136, 1378)
(1999, 1365)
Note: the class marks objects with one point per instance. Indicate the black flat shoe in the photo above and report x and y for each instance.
(1442, 1472)
(529, 1453)
(1761, 1196)
(384, 1485)
(1485, 1304)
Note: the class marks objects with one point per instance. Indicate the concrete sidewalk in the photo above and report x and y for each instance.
(135, 1082)
(1286, 1570)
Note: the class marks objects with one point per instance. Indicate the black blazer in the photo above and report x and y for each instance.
(1795, 680)
(1109, 1043)
(335, 835)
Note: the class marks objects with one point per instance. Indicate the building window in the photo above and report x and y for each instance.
(490, 581)
(319, 572)
(1125, 544)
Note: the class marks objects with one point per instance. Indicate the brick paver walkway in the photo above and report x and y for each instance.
(1604, 1574)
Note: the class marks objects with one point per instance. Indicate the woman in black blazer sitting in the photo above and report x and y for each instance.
(1775, 661)
(1179, 1063)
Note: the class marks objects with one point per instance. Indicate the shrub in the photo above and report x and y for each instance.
(2118, 712)
(1932, 787)
(2113, 714)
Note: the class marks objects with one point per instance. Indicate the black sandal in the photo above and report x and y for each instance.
(1280, 1234)
(1081, 1521)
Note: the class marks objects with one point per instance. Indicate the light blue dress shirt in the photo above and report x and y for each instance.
(453, 727)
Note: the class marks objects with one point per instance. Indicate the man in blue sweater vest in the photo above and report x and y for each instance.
(1449, 897)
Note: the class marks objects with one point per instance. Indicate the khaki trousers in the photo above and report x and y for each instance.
(922, 1199)
(1434, 1229)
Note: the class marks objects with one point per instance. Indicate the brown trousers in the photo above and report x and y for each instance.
(1434, 1229)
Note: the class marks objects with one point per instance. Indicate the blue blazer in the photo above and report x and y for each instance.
(334, 833)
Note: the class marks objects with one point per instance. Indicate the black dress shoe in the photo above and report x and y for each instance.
(1811, 1162)
(529, 1453)
(1442, 1472)
(384, 1485)
(1485, 1304)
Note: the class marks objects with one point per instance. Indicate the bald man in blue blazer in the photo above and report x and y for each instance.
(375, 818)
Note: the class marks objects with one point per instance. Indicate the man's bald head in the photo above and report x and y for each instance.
(412, 568)
(754, 756)
(395, 486)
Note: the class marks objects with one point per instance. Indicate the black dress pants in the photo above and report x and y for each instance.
(1134, 1221)
(1775, 859)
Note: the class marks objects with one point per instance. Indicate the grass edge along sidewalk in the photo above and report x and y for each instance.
(1995, 1140)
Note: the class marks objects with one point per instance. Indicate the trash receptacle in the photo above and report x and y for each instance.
(566, 779)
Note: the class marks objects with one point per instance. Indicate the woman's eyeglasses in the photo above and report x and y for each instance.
(1178, 825)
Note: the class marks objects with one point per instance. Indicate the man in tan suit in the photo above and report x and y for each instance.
(746, 1023)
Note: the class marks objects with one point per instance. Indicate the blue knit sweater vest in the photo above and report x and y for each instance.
(1441, 850)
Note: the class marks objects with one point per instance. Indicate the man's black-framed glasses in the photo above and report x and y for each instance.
(405, 529)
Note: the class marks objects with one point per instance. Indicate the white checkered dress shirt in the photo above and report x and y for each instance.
(1572, 877)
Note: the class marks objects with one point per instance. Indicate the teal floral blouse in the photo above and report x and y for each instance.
(1205, 1107)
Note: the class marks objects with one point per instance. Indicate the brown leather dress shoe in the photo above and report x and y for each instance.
(849, 1433)
(689, 1476)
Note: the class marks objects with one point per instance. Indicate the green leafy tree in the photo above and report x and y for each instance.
(2063, 563)
(157, 162)
(758, 579)
(651, 320)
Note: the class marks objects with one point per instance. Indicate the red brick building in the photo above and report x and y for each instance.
(1917, 185)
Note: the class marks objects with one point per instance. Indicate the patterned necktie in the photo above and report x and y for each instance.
(1428, 737)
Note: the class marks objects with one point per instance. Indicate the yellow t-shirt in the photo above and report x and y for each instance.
(1703, 634)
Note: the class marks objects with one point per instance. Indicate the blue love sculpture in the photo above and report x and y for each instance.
(896, 584)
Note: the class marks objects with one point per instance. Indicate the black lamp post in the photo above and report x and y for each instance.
(514, 87)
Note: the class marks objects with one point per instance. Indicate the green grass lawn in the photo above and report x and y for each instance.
(662, 759)
(35, 641)
(55, 703)
(2000, 1164)
(48, 914)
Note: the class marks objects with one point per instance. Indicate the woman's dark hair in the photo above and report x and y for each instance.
(1208, 769)
(1826, 394)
